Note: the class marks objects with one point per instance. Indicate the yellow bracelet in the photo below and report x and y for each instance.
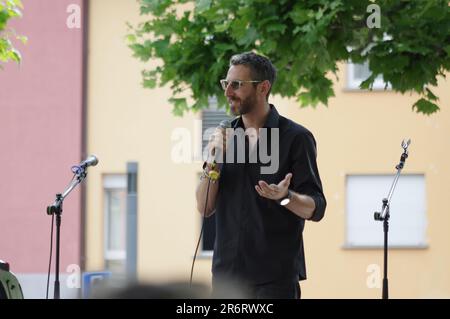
(209, 171)
(213, 175)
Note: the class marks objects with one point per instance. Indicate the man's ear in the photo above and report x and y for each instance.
(265, 87)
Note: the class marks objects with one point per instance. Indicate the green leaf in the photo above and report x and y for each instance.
(9, 9)
(131, 38)
(15, 55)
(221, 27)
(299, 15)
(160, 46)
(319, 14)
(202, 5)
(22, 39)
(268, 46)
(447, 49)
(155, 7)
(276, 27)
(367, 84)
(149, 83)
(430, 95)
(424, 106)
(249, 37)
(179, 106)
(225, 46)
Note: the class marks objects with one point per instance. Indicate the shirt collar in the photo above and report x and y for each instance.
(271, 121)
(272, 118)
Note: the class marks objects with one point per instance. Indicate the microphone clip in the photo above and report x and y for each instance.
(404, 156)
(79, 171)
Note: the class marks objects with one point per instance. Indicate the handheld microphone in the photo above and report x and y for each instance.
(225, 124)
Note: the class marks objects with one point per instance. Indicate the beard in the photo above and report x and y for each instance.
(245, 106)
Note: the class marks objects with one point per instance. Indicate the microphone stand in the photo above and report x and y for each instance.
(385, 214)
(56, 209)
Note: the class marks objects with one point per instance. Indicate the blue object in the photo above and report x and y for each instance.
(90, 279)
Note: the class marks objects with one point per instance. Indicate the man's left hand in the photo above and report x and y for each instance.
(274, 191)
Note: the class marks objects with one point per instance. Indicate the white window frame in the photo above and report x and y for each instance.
(353, 82)
(112, 182)
(408, 201)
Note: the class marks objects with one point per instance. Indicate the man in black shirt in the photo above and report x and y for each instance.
(260, 207)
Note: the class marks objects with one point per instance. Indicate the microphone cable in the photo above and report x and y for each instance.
(224, 124)
(50, 259)
(201, 232)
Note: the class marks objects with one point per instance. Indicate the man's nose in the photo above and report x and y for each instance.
(229, 91)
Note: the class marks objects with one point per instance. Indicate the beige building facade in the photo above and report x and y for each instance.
(358, 135)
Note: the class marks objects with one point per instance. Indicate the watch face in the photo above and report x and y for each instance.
(285, 201)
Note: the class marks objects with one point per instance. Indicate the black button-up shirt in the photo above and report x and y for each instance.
(257, 239)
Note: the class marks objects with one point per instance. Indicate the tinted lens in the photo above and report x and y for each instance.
(224, 84)
(235, 85)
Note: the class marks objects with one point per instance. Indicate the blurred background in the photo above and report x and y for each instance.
(78, 91)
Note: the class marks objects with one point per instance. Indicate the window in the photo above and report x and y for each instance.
(407, 224)
(211, 118)
(115, 195)
(357, 73)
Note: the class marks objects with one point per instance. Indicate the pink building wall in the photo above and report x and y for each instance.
(41, 115)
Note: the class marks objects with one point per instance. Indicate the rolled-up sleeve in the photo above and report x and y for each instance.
(305, 173)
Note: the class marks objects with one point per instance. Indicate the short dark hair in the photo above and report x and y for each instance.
(261, 68)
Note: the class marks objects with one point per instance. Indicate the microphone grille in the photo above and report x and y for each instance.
(93, 160)
(225, 124)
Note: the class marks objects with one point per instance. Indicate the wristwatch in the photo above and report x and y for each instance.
(286, 199)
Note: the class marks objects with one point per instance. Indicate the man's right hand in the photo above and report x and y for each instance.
(217, 143)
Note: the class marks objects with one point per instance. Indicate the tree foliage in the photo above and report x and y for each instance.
(409, 46)
(9, 9)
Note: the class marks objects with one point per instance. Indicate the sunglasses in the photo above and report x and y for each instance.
(235, 84)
